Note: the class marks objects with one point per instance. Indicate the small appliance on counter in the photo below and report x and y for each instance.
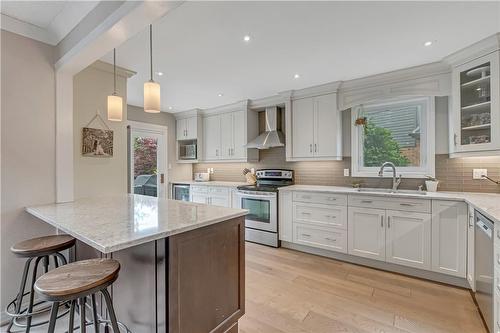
(201, 177)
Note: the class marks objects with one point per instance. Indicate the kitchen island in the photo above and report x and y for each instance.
(182, 264)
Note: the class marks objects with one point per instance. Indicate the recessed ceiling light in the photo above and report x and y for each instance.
(296, 76)
(159, 73)
(170, 108)
(220, 95)
(246, 38)
(428, 43)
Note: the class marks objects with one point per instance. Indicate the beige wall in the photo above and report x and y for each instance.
(175, 170)
(93, 175)
(28, 147)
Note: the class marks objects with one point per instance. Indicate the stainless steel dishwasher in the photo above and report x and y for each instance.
(483, 260)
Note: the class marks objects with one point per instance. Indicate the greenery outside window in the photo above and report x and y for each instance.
(397, 131)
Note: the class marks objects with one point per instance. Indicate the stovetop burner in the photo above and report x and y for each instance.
(260, 188)
(269, 180)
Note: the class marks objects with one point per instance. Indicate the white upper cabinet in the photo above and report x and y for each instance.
(316, 129)
(187, 128)
(226, 134)
(449, 237)
(475, 116)
(212, 137)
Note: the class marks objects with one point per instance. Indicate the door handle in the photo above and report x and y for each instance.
(406, 204)
(315, 148)
(162, 178)
(306, 235)
(388, 222)
(455, 138)
(382, 221)
(216, 152)
(311, 148)
(331, 239)
(366, 201)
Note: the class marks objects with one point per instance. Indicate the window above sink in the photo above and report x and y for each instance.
(398, 131)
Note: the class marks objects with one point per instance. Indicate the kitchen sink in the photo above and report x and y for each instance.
(390, 191)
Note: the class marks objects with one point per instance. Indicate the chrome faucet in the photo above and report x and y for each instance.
(395, 181)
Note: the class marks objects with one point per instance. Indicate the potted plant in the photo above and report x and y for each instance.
(431, 184)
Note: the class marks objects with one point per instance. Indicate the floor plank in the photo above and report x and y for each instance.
(290, 291)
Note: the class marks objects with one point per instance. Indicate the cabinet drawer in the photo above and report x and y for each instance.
(404, 204)
(320, 198)
(327, 215)
(199, 189)
(321, 237)
(217, 190)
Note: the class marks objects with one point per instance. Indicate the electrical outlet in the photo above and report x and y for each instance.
(346, 172)
(479, 173)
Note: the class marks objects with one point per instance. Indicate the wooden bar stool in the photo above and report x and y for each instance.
(37, 249)
(76, 281)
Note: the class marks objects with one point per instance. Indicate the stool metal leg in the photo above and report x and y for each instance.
(32, 294)
(71, 316)
(82, 315)
(109, 306)
(63, 259)
(94, 314)
(56, 263)
(45, 264)
(21, 291)
(53, 317)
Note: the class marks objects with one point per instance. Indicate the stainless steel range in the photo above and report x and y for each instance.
(261, 200)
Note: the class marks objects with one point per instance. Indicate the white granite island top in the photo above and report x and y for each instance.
(112, 223)
(487, 203)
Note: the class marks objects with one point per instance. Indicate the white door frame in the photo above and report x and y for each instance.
(156, 130)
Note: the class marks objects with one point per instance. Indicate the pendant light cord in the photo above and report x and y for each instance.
(114, 71)
(151, 49)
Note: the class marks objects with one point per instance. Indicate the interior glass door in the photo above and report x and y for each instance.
(147, 162)
(475, 105)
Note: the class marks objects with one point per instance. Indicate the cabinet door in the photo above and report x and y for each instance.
(449, 237)
(302, 127)
(327, 127)
(191, 128)
(181, 129)
(199, 198)
(476, 91)
(408, 239)
(239, 135)
(285, 216)
(226, 135)
(366, 232)
(211, 137)
(470, 249)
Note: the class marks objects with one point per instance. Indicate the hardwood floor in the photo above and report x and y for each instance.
(289, 291)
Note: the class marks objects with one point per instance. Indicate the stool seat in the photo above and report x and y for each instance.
(41, 246)
(77, 279)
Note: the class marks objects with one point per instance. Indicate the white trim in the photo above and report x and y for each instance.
(155, 130)
(427, 143)
(237, 106)
(479, 49)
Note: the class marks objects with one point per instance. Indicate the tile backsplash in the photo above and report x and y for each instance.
(454, 174)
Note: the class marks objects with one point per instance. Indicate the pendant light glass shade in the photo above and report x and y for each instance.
(152, 97)
(151, 88)
(115, 108)
(115, 104)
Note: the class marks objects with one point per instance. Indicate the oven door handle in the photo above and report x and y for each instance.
(256, 196)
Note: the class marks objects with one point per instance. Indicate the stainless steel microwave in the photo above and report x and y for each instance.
(187, 151)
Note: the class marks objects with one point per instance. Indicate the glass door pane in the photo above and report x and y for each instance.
(475, 105)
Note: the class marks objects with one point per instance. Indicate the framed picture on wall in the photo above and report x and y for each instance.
(97, 142)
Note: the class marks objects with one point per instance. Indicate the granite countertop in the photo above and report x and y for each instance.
(486, 203)
(209, 183)
(112, 223)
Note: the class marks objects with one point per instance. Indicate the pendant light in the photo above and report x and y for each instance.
(115, 104)
(151, 88)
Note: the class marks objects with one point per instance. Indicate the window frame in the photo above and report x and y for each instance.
(427, 141)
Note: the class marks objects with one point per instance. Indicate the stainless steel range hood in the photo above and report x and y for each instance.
(271, 137)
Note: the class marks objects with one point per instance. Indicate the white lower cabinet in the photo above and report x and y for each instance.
(366, 232)
(285, 216)
(408, 239)
(449, 237)
(321, 237)
(211, 195)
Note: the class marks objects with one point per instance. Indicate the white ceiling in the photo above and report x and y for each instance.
(200, 48)
(46, 21)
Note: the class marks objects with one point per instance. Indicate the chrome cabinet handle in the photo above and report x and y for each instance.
(388, 221)
(406, 204)
(306, 235)
(229, 151)
(331, 216)
(331, 239)
(332, 199)
(216, 152)
(455, 138)
(366, 201)
(311, 148)
(315, 148)
(306, 213)
(382, 221)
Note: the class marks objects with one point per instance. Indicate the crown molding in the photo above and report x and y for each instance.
(322, 89)
(28, 30)
(262, 103)
(483, 47)
(237, 106)
(107, 67)
(187, 114)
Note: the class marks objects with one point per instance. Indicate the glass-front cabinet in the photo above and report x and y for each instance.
(476, 105)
